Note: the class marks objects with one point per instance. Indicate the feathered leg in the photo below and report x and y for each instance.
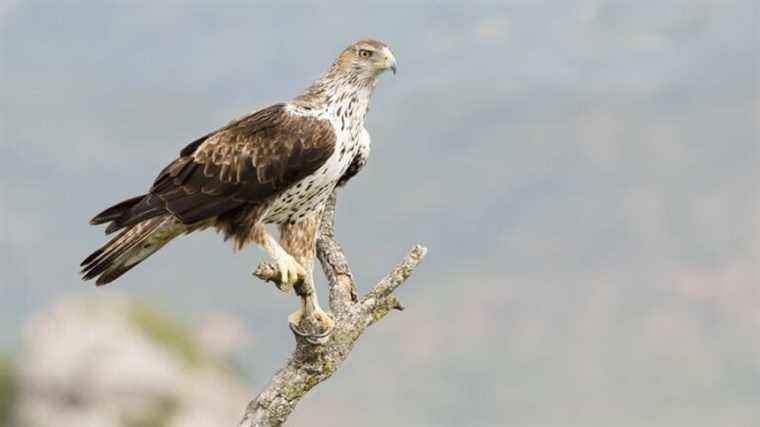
(300, 240)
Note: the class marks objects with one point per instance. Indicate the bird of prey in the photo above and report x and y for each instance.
(277, 165)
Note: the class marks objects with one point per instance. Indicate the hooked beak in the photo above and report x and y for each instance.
(390, 61)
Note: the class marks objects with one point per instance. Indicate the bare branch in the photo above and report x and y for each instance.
(334, 264)
(394, 279)
(268, 272)
(311, 364)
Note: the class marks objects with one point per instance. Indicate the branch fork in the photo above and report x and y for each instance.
(315, 360)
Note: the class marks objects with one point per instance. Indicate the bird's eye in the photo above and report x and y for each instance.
(364, 53)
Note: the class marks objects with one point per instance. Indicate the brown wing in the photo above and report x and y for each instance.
(246, 162)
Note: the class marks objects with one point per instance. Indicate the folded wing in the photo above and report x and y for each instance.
(249, 161)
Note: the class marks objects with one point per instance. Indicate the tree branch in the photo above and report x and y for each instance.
(311, 364)
(334, 264)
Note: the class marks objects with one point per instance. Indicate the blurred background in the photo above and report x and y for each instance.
(584, 174)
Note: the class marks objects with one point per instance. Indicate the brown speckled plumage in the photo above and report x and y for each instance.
(300, 239)
(276, 165)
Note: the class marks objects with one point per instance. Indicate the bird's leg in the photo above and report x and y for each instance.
(291, 272)
(310, 321)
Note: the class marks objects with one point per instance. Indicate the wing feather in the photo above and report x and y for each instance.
(249, 161)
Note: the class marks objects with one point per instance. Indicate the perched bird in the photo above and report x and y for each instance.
(277, 165)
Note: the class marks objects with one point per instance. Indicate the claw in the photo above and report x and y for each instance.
(312, 338)
(291, 272)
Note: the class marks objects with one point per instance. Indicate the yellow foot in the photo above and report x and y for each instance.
(291, 272)
(321, 323)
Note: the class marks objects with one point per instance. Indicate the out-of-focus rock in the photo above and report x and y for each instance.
(221, 334)
(114, 362)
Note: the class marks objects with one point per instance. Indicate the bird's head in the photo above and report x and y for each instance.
(368, 58)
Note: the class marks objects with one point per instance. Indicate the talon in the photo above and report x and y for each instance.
(327, 323)
(295, 318)
(318, 339)
(329, 326)
(291, 272)
(298, 332)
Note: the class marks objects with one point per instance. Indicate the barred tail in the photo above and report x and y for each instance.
(129, 248)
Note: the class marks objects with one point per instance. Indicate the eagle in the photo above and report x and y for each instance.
(277, 165)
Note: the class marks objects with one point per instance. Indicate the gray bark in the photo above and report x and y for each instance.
(311, 364)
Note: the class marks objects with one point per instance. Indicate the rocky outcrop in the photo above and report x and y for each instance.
(115, 362)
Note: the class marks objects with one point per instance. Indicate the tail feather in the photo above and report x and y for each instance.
(130, 248)
(149, 207)
(111, 253)
(116, 211)
(123, 242)
(131, 219)
(102, 249)
(130, 212)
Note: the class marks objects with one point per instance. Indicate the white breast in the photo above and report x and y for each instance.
(310, 194)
